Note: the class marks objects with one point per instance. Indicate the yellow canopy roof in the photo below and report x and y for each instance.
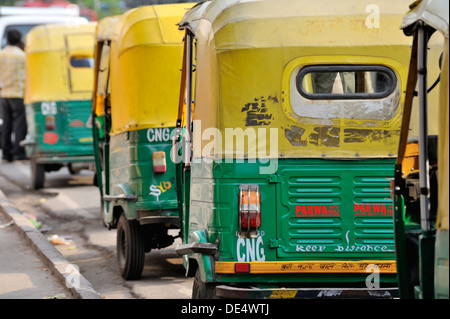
(248, 53)
(150, 25)
(291, 21)
(52, 52)
(52, 37)
(146, 61)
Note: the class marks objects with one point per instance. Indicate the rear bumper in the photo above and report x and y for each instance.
(62, 159)
(318, 266)
(196, 248)
(229, 292)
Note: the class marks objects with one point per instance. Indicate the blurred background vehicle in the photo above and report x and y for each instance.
(26, 18)
(85, 12)
(58, 98)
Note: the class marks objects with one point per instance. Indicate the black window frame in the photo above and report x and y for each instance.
(346, 68)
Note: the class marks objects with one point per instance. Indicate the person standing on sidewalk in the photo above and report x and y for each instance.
(12, 79)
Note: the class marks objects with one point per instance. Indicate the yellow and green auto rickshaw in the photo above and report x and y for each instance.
(137, 181)
(58, 92)
(290, 142)
(421, 183)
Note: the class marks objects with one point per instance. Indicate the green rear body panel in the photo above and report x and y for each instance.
(311, 210)
(70, 140)
(130, 172)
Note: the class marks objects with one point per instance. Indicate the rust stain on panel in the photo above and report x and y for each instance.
(365, 135)
(295, 135)
(325, 136)
(321, 136)
(258, 112)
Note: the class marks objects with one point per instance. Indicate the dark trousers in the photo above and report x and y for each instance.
(14, 121)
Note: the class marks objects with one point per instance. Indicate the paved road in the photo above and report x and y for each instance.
(68, 207)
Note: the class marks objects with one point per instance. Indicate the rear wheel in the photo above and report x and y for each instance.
(130, 248)
(37, 174)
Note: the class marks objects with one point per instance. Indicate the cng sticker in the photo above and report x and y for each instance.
(49, 108)
(250, 249)
(158, 135)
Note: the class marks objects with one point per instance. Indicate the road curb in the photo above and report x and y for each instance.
(66, 272)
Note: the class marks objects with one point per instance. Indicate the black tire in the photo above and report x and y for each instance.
(71, 170)
(37, 175)
(103, 213)
(202, 290)
(95, 180)
(130, 248)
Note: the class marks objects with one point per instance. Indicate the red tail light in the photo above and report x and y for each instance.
(159, 162)
(50, 123)
(242, 268)
(249, 210)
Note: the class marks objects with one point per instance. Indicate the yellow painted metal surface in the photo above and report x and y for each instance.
(146, 61)
(248, 52)
(442, 222)
(49, 73)
(410, 162)
(265, 267)
(283, 294)
(436, 47)
(104, 31)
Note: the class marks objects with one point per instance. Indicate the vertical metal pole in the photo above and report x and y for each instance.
(423, 131)
(188, 134)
